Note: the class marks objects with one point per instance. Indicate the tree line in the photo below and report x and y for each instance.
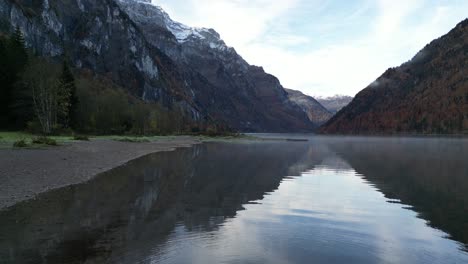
(45, 96)
(33, 90)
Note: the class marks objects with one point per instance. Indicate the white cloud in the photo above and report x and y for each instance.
(322, 47)
(239, 21)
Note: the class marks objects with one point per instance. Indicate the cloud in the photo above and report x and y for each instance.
(239, 21)
(323, 47)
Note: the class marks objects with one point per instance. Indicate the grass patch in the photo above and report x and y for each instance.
(125, 138)
(20, 144)
(81, 138)
(9, 138)
(45, 141)
(227, 138)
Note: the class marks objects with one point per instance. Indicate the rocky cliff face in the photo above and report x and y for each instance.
(428, 94)
(335, 103)
(317, 113)
(97, 35)
(220, 80)
(141, 49)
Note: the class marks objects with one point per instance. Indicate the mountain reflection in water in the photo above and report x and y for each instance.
(326, 200)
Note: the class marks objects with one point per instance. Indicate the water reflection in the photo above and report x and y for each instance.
(142, 202)
(264, 202)
(430, 175)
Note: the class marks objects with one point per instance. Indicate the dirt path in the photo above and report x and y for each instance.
(24, 173)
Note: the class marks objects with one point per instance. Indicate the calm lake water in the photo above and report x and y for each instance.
(327, 200)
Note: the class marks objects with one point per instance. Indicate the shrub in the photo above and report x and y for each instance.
(20, 143)
(81, 137)
(45, 141)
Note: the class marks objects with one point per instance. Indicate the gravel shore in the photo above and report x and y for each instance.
(25, 173)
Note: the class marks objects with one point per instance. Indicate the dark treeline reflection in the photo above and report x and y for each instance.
(120, 211)
(429, 175)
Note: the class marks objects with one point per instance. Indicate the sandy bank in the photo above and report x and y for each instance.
(25, 173)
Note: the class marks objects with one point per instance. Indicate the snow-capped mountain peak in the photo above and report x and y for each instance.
(150, 13)
(183, 32)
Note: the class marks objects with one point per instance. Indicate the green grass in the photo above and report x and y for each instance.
(135, 138)
(239, 137)
(8, 139)
(20, 144)
(44, 141)
(81, 138)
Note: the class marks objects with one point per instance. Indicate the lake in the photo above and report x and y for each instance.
(325, 200)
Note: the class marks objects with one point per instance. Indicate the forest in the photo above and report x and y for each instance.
(46, 96)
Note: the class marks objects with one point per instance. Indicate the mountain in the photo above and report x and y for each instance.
(335, 103)
(315, 111)
(428, 94)
(242, 95)
(141, 49)
(98, 36)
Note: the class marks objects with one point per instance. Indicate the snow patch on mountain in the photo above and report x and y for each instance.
(183, 33)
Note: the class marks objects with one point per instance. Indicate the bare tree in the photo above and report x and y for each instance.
(40, 77)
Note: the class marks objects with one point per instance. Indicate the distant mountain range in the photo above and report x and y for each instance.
(140, 48)
(427, 95)
(335, 103)
(315, 111)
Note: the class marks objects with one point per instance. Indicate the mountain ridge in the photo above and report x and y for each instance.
(250, 98)
(316, 112)
(141, 49)
(426, 95)
(334, 103)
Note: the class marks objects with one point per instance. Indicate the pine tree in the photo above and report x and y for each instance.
(13, 60)
(69, 100)
(18, 51)
(5, 84)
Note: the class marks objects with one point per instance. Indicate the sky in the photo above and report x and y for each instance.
(323, 47)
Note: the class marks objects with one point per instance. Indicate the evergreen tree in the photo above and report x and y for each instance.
(18, 51)
(5, 84)
(21, 102)
(13, 60)
(68, 99)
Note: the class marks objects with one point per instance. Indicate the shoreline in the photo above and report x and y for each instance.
(26, 173)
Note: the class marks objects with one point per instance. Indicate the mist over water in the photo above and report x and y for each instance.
(327, 200)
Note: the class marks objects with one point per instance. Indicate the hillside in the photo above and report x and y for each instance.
(427, 95)
(315, 111)
(138, 47)
(335, 103)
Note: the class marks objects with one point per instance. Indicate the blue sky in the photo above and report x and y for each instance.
(323, 47)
